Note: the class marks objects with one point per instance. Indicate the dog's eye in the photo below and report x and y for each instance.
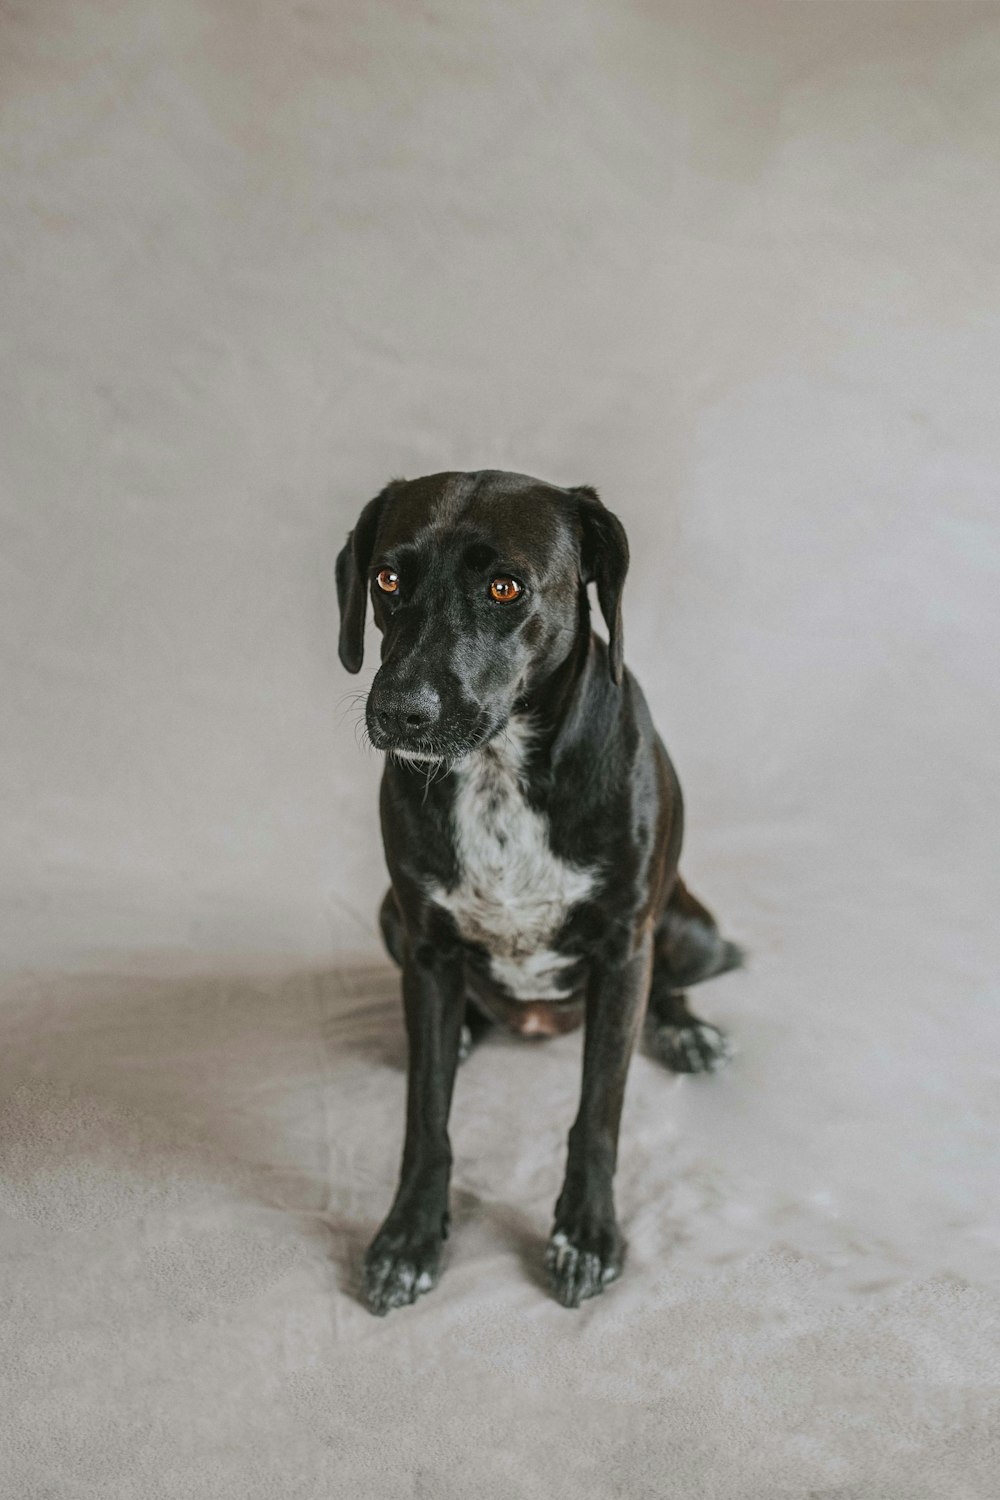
(504, 590)
(387, 580)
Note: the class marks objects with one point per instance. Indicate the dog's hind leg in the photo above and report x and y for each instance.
(688, 948)
(475, 1024)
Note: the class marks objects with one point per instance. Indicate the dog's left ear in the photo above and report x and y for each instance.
(353, 566)
(604, 561)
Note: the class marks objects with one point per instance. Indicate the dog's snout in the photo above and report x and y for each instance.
(409, 714)
(418, 713)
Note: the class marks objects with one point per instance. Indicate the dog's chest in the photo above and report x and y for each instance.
(513, 894)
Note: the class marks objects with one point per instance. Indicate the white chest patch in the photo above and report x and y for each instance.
(513, 894)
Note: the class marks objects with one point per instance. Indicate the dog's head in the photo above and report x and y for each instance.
(478, 582)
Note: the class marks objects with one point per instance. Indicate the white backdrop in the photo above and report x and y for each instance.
(737, 265)
(733, 264)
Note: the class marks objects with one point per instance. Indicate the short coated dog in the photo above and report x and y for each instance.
(532, 825)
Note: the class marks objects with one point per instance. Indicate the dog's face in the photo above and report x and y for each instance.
(476, 582)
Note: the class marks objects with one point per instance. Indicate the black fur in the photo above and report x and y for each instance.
(457, 668)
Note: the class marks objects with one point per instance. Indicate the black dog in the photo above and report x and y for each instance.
(532, 825)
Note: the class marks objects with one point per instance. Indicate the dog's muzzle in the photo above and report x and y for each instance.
(404, 720)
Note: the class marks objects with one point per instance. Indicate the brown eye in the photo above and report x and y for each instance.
(387, 580)
(503, 590)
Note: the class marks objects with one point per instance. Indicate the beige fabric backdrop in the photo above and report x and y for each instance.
(737, 265)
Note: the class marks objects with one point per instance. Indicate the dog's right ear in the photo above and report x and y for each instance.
(353, 566)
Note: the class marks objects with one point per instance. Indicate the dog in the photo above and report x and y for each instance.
(532, 825)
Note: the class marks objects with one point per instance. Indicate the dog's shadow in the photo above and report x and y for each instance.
(133, 1093)
(509, 1226)
(142, 1086)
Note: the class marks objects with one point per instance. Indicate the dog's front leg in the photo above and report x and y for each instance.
(403, 1260)
(586, 1248)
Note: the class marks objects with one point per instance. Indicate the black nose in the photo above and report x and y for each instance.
(409, 715)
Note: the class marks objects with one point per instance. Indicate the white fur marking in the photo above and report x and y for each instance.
(513, 894)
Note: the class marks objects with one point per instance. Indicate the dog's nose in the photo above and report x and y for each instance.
(408, 715)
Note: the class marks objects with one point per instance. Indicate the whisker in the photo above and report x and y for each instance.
(348, 702)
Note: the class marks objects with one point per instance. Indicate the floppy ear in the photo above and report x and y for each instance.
(353, 564)
(604, 561)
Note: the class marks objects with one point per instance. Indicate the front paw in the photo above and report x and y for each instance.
(402, 1262)
(585, 1253)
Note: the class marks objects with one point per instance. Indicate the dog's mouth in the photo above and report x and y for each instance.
(448, 749)
(414, 754)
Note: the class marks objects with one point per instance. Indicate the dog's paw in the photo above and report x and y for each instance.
(698, 1048)
(400, 1267)
(581, 1263)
